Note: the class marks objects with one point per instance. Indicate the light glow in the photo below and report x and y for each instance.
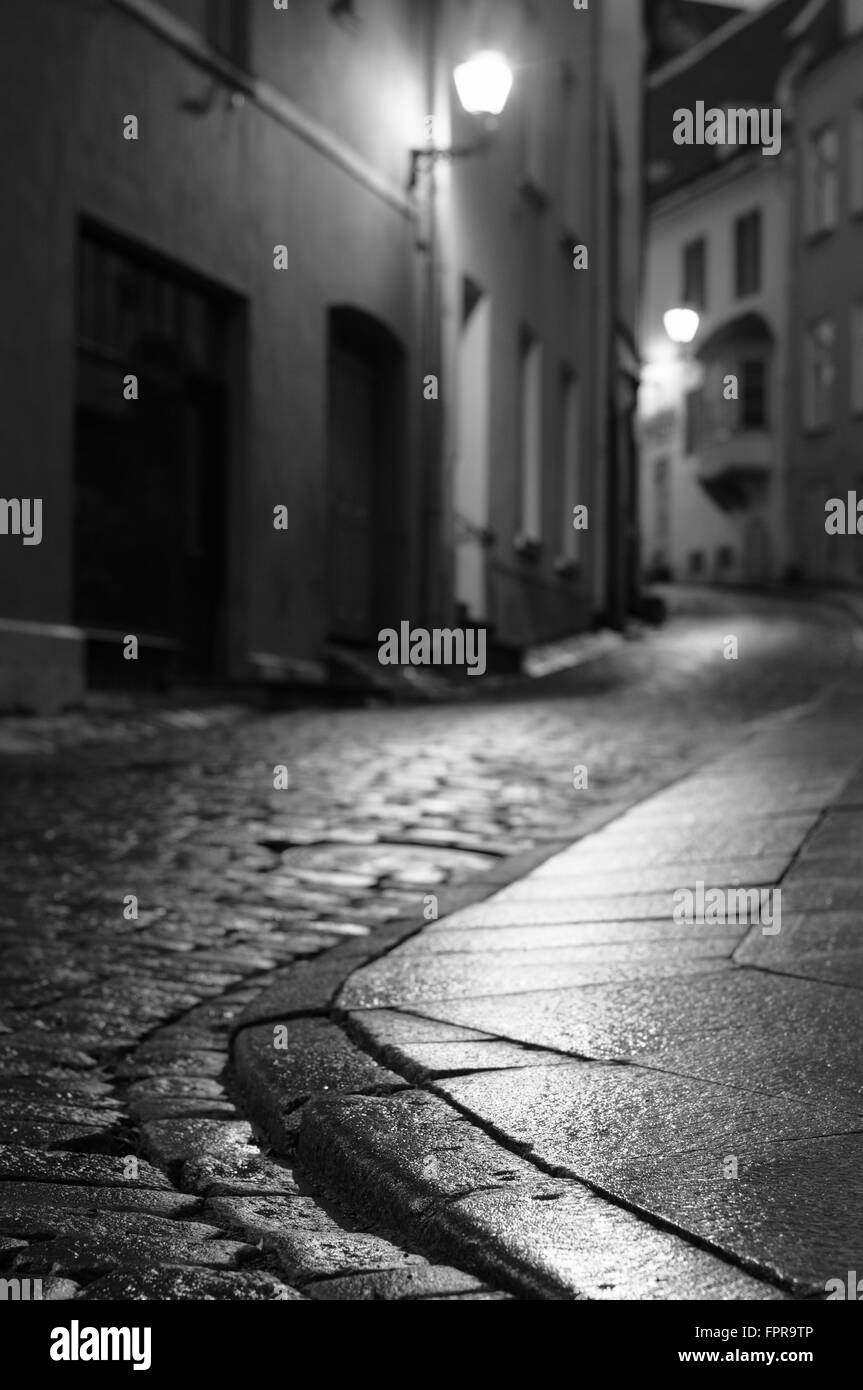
(484, 83)
(681, 325)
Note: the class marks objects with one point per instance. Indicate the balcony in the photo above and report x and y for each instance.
(735, 470)
(730, 440)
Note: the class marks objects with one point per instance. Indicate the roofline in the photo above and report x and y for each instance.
(701, 185)
(708, 44)
(814, 71)
(798, 26)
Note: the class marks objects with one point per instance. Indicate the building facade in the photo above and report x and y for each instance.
(827, 321)
(714, 453)
(271, 398)
(714, 414)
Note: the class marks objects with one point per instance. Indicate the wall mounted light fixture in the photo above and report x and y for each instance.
(681, 325)
(483, 84)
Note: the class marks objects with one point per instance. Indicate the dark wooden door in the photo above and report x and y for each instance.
(149, 521)
(150, 472)
(353, 398)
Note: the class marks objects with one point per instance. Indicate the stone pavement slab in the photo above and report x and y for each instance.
(751, 1029)
(400, 980)
(708, 1078)
(505, 912)
(637, 842)
(837, 833)
(665, 878)
(824, 946)
(440, 940)
(663, 1143)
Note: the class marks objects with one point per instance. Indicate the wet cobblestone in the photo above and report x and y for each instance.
(154, 883)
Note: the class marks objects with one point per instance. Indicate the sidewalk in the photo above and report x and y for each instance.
(579, 1096)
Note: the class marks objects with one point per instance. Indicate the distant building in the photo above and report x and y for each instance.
(675, 26)
(714, 415)
(826, 381)
(538, 354)
(226, 300)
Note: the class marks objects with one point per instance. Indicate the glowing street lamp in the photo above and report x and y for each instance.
(681, 325)
(483, 84)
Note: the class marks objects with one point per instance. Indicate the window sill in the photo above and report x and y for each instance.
(532, 193)
(343, 14)
(569, 239)
(822, 234)
(527, 548)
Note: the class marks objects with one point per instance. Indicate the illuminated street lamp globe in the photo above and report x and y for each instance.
(484, 83)
(681, 325)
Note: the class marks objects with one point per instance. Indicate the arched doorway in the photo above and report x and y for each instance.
(366, 453)
(150, 531)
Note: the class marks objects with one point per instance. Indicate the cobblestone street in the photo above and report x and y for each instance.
(155, 884)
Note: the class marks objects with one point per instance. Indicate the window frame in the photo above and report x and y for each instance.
(236, 17)
(530, 436)
(816, 418)
(855, 359)
(694, 255)
(821, 181)
(748, 254)
(855, 159)
(763, 366)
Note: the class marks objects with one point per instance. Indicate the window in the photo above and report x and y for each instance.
(857, 358)
(661, 492)
(818, 375)
(228, 29)
(857, 160)
(471, 492)
(724, 559)
(696, 562)
(715, 422)
(534, 134)
(571, 429)
(822, 180)
(132, 308)
(747, 254)
(534, 80)
(695, 274)
(572, 209)
(753, 396)
(530, 371)
(694, 411)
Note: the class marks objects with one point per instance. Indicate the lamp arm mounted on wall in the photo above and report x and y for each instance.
(428, 156)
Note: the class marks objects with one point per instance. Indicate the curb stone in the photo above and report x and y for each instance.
(463, 1197)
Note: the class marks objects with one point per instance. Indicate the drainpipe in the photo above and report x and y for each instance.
(598, 321)
(598, 430)
(431, 490)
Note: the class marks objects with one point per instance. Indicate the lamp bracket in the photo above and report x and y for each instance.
(429, 155)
